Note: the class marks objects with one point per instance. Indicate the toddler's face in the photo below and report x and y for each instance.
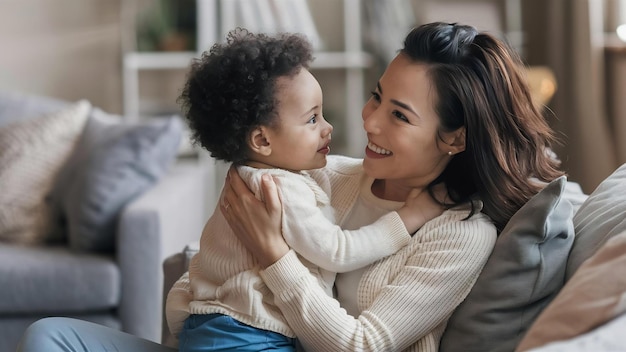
(300, 140)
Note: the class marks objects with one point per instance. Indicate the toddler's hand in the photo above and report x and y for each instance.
(420, 207)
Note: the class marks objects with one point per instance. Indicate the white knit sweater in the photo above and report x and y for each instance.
(224, 277)
(406, 298)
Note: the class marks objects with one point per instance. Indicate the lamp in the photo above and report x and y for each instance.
(542, 83)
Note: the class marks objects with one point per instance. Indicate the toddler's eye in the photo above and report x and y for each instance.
(313, 119)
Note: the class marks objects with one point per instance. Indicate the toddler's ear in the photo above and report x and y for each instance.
(259, 141)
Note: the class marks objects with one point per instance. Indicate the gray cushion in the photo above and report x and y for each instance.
(17, 106)
(600, 217)
(523, 274)
(50, 279)
(113, 163)
(575, 195)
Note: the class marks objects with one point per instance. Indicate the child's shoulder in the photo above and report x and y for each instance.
(287, 179)
(339, 170)
(343, 165)
(252, 174)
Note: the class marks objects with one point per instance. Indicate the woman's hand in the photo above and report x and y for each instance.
(257, 224)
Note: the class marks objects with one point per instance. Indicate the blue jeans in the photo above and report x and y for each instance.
(218, 332)
(73, 335)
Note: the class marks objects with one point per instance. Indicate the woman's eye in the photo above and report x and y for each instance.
(400, 116)
(313, 119)
(375, 96)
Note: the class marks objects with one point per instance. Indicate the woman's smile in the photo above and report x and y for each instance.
(374, 151)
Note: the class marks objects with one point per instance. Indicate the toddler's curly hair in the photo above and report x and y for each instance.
(231, 89)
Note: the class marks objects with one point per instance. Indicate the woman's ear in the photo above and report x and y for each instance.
(259, 141)
(457, 143)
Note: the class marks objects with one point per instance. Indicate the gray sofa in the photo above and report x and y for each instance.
(118, 284)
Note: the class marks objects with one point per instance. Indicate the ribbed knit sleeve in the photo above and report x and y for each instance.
(406, 298)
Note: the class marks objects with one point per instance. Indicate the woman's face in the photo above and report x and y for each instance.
(401, 125)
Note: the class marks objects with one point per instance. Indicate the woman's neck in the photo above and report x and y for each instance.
(391, 190)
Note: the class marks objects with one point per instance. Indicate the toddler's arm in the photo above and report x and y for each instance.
(311, 234)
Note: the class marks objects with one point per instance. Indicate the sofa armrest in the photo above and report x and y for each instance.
(174, 267)
(151, 228)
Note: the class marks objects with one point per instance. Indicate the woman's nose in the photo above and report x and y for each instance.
(371, 122)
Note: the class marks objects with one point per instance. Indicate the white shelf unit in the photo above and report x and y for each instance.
(352, 60)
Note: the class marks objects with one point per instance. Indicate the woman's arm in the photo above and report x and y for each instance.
(407, 297)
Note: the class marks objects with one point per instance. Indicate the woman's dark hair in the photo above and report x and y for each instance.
(230, 90)
(480, 84)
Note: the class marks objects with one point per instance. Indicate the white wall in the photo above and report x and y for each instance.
(63, 48)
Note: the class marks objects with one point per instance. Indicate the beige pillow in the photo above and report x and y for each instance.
(31, 155)
(594, 295)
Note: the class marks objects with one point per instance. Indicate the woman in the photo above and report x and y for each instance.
(453, 110)
(451, 115)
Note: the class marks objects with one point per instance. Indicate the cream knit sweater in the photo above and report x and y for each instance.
(224, 277)
(406, 298)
